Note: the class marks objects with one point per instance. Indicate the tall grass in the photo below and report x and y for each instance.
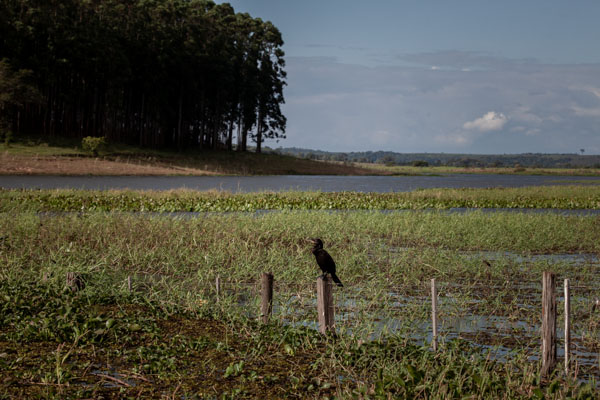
(384, 260)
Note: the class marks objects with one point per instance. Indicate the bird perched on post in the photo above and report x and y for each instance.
(324, 260)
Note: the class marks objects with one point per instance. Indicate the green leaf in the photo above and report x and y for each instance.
(538, 393)
(289, 349)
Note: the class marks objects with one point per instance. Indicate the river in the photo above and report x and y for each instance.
(326, 183)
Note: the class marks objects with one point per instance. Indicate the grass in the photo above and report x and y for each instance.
(65, 157)
(169, 337)
(440, 170)
(536, 197)
(61, 156)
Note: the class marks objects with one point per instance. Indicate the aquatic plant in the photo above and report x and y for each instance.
(559, 197)
(170, 330)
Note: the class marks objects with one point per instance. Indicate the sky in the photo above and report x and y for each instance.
(479, 76)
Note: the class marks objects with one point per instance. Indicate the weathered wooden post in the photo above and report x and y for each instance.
(75, 282)
(567, 326)
(266, 304)
(548, 323)
(325, 304)
(434, 315)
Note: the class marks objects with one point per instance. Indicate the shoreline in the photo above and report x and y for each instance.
(16, 161)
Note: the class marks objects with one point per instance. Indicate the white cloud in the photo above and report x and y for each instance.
(345, 107)
(491, 121)
(461, 60)
(555, 119)
(586, 112)
(591, 89)
(524, 114)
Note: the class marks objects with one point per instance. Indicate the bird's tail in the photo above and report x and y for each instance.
(336, 280)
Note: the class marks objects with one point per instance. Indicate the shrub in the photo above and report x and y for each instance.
(6, 136)
(386, 160)
(93, 144)
(420, 163)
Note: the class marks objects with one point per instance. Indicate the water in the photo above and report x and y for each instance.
(113, 378)
(325, 183)
(503, 334)
(490, 332)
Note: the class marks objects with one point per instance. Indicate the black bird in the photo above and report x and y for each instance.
(324, 260)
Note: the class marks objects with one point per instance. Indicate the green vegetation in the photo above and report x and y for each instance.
(162, 74)
(36, 146)
(93, 144)
(60, 156)
(170, 337)
(440, 170)
(15, 92)
(470, 161)
(563, 197)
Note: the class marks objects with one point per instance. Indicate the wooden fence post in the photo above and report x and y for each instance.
(567, 326)
(266, 305)
(75, 281)
(548, 323)
(434, 315)
(325, 304)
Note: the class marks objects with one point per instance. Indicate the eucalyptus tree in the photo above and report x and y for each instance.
(270, 120)
(15, 93)
(160, 73)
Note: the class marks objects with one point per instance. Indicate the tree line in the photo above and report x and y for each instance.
(157, 73)
(530, 160)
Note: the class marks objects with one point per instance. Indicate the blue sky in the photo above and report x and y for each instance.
(439, 76)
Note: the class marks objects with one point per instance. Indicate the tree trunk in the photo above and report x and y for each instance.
(259, 136)
(142, 121)
(179, 118)
(239, 134)
(230, 136)
(244, 138)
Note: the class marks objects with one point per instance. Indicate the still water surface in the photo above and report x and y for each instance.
(323, 183)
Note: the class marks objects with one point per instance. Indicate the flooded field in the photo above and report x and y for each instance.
(488, 268)
(500, 318)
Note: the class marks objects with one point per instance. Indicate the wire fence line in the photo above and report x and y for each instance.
(503, 318)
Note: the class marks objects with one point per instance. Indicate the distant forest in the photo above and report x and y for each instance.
(530, 160)
(156, 73)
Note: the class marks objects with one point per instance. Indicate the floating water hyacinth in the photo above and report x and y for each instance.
(548, 197)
